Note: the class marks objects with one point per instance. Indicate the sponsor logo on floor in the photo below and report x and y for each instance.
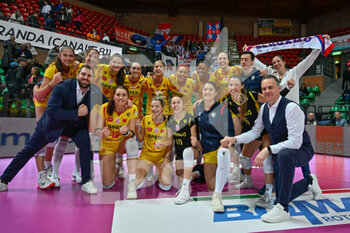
(162, 215)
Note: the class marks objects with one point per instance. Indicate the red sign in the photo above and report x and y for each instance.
(329, 140)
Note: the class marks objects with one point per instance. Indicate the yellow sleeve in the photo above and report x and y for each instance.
(135, 112)
(50, 71)
(143, 122)
(103, 109)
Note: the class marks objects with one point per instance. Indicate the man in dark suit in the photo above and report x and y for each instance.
(67, 114)
(290, 148)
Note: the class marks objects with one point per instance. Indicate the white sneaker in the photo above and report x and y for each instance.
(76, 176)
(277, 214)
(49, 171)
(183, 195)
(315, 188)
(244, 185)
(44, 182)
(89, 188)
(217, 203)
(121, 174)
(266, 201)
(3, 187)
(149, 176)
(234, 176)
(56, 180)
(132, 194)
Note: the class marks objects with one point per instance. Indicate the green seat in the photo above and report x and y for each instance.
(311, 96)
(305, 102)
(317, 90)
(309, 89)
(335, 108)
(23, 108)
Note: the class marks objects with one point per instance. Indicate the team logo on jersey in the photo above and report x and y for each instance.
(133, 87)
(109, 119)
(110, 81)
(117, 120)
(177, 127)
(104, 78)
(253, 77)
(128, 114)
(213, 114)
(149, 129)
(124, 120)
(156, 130)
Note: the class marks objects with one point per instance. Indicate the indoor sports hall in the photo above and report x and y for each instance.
(132, 58)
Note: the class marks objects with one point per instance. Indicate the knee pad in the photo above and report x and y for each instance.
(92, 137)
(60, 146)
(52, 144)
(140, 185)
(224, 156)
(131, 148)
(164, 187)
(268, 165)
(188, 157)
(109, 186)
(245, 161)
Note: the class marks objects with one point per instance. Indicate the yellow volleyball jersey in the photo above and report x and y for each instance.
(115, 121)
(153, 133)
(187, 91)
(49, 73)
(106, 81)
(134, 89)
(221, 80)
(165, 87)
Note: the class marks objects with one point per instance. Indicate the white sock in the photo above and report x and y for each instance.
(132, 177)
(47, 164)
(248, 179)
(269, 188)
(222, 170)
(186, 182)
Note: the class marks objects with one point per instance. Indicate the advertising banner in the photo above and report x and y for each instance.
(47, 39)
(132, 38)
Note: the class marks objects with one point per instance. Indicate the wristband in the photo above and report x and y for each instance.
(132, 132)
(49, 86)
(125, 134)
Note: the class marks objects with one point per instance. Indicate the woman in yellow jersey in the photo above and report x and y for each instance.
(92, 58)
(220, 76)
(134, 82)
(158, 84)
(116, 126)
(200, 77)
(180, 129)
(62, 68)
(153, 133)
(184, 85)
(110, 76)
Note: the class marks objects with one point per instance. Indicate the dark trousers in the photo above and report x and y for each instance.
(38, 141)
(285, 163)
